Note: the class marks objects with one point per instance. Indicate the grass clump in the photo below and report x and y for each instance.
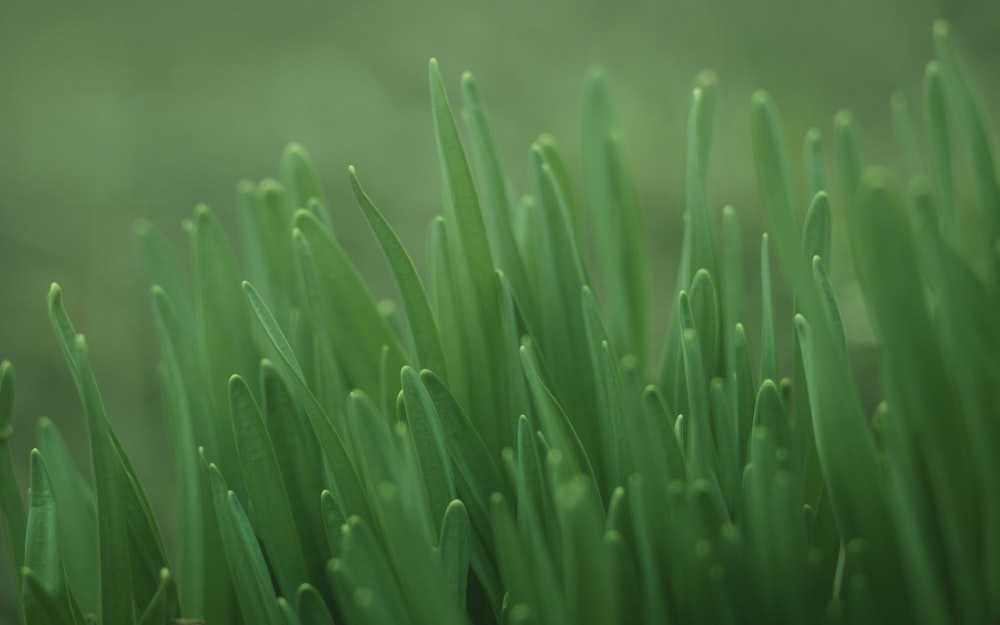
(512, 447)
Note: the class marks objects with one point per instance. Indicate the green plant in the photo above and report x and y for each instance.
(528, 464)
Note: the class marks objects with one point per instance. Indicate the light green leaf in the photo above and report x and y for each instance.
(423, 327)
(312, 608)
(269, 508)
(355, 328)
(454, 547)
(350, 492)
(247, 567)
(11, 503)
(77, 518)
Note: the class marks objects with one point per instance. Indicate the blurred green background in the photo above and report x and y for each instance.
(111, 112)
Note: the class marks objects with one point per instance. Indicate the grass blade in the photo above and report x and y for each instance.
(348, 485)
(423, 327)
(11, 503)
(247, 567)
(268, 502)
(77, 518)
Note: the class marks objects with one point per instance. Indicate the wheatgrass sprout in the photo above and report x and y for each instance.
(514, 446)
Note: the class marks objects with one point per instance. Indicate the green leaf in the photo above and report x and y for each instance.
(617, 221)
(905, 134)
(496, 202)
(121, 504)
(225, 325)
(815, 167)
(365, 566)
(160, 609)
(848, 151)
(423, 327)
(355, 328)
(477, 477)
(11, 503)
(40, 607)
(348, 487)
(42, 549)
(191, 425)
(769, 348)
(77, 518)
(301, 182)
(473, 292)
(269, 508)
(938, 132)
(977, 135)
(298, 454)
(429, 441)
(731, 285)
(555, 424)
(454, 547)
(247, 567)
(586, 559)
(312, 608)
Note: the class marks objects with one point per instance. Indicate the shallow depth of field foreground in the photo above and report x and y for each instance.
(510, 441)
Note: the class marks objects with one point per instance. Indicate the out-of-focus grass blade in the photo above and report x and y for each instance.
(617, 222)
(365, 566)
(247, 567)
(918, 384)
(349, 489)
(816, 232)
(355, 328)
(845, 446)
(746, 389)
(586, 559)
(273, 520)
(965, 312)
(977, 135)
(301, 182)
(768, 346)
(608, 391)
(77, 518)
(905, 134)
(731, 285)
(815, 165)
(496, 200)
(225, 323)
(162, 268)
(312, 608)
(160, 609)
(939, 145)
(10, 493)
(770, 414)
(423, 327)
(848, 151)
(454, 547)
(40, 607)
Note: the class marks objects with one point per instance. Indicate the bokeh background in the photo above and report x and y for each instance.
(115, 111)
